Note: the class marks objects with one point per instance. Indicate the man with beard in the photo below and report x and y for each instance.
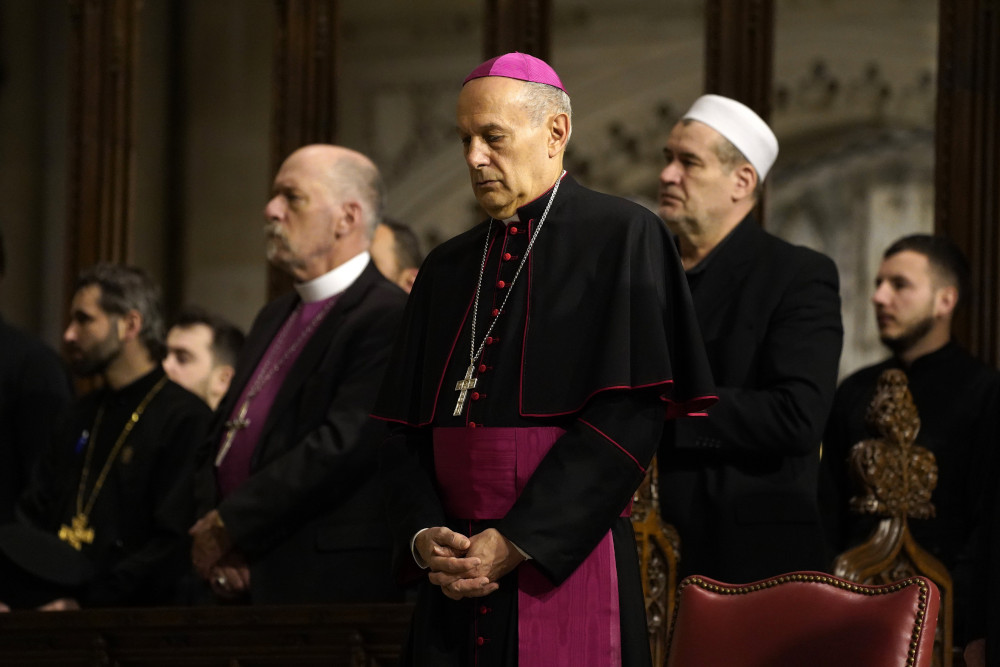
(740, 485)
(919, 283)
(289, 502)
(103, 520)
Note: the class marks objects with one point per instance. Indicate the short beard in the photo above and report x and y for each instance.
(97, 360)
(909, 338)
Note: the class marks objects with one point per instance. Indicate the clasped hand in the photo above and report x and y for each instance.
(466, 566)
(215, 559)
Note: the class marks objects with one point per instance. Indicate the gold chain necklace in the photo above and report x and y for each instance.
(79, 532)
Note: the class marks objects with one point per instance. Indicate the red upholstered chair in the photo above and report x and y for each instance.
(803, 619)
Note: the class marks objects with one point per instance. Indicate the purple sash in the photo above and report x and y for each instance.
(480, 473)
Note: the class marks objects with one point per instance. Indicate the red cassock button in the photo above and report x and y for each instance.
(506, 257)
(489, 340)
(482, 368)
(480, 641)
(483, 609)
(473, 424)
(475, 395)
(513, 230)
(501, 284)
(496, 311)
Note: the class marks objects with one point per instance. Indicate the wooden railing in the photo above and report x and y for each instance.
(329, 635)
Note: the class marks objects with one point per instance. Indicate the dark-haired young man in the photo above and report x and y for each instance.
(202, 348)
(396, 252)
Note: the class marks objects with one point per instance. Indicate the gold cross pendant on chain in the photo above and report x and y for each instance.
(77, 534)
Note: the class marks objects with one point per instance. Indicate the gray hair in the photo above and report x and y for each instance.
(731, 157)
(126, 288)
(353, 176)
(541, 100)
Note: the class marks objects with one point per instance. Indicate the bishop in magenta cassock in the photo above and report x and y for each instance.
(539, 356)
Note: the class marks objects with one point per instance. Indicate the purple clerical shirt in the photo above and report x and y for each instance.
(234, 468)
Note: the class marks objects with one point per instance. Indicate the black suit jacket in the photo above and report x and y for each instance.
(34, 393)
(310, 517)
(741, 484)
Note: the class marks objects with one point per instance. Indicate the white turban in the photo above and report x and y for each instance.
(741, 126)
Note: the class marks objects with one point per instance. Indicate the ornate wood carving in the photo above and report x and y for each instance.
(518, 25)
(967, 205)
(305, 85)
(897, 478)
(659, 553)
(104, 51)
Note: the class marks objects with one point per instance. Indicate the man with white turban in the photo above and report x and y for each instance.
(741, 485)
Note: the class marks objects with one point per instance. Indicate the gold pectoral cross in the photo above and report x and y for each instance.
(232, 426)
(78, 533)
(463, 386)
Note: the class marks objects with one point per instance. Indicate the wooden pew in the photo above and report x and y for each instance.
(330, 635)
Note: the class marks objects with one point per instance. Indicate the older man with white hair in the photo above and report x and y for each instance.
(741, 485)
(289, 501)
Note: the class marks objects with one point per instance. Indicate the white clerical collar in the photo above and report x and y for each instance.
(513, 218)
(333, 282)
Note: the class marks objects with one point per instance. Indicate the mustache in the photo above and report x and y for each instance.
(274, 231)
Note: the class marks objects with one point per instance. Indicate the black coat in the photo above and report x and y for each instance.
(310, 518)
(143, 510)
(34, 391)
(741, 485)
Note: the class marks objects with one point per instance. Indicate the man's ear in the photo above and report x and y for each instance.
(222, 376)
(559, 128)
(129, 325)
(945, 300)
(350, 219)
(744, 181)
(406, 279)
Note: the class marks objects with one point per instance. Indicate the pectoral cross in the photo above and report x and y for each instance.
(78, 533)
(463, 386)
(232, 426)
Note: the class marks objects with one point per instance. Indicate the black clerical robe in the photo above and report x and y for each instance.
(595, 337)
(958, 400)
(34, 391)
(145, 505)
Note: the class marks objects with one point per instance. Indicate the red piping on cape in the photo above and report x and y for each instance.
(612, 441)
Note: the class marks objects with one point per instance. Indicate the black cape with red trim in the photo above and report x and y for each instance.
(605, 284)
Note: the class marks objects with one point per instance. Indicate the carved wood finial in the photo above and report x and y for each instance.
(897, 476)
